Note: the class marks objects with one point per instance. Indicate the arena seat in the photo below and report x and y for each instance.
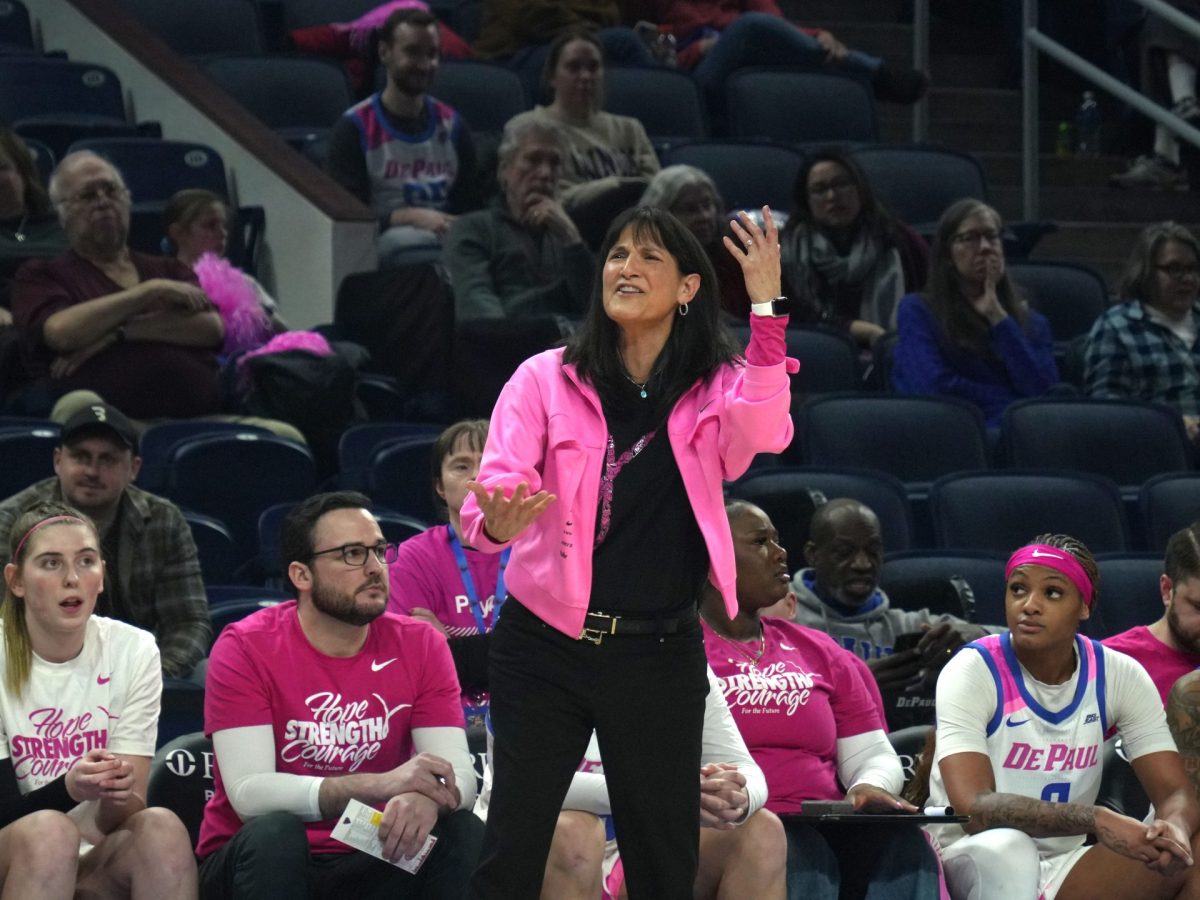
(749, 174)
(37, 86)
(485, 94)
(359, 443)
(1129, 592)
(214, 544)
(28, 455)
(667, 102)
(195, 29)
(1069, 295)
(181, 778)
(306, 13)
(917, 183)
(158, 440)
(15, 27)
(1168, 502)
(155, 169)
(800, 107)
(182, 709)
(962, 583)
(43, 156)
(398, 477)
(232, 611)
(828, 359)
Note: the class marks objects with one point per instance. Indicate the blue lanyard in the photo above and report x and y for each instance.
(460, 557)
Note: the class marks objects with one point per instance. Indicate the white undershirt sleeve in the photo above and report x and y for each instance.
(450, 743)
(723, 743)
(246, 758)
(869, 758)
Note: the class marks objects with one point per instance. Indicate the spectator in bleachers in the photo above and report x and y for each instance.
(813, 721)
(847, 260)
(353, 43)
(743, 851)
(1170, 647)
(407, 155)
(969, 334)
(1021, 722)
(518, 32)
(196, 224)
(78, 718)
(138, 329)
(1169, 59)
(717, 37)
(523, 256)
(28, 226)
(609, 158)
(839, 594)
(1145, 348)
(436, 578)
(325, 700)
(692, 197)
(152, 567)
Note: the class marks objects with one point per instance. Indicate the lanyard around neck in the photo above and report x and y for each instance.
(460, 557)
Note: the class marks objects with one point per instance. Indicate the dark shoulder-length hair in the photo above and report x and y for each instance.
(698, 344)
(37, 201)
(944, 291)
(874, 217)
(1140, 282)
(554, 53)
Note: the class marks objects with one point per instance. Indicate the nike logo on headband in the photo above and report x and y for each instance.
(1039, 553)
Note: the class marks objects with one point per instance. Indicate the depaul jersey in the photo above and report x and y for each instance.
(406, 169)
(1047, 754)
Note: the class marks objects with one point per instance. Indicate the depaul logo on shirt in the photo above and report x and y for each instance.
(342, 734)
(775, 685)
(55, 745)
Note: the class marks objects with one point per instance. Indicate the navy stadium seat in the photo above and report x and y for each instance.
(917, 182)
(667, 102)
(399, 478)
(748, 174)
(1168, 503)
(15, 27)
(234, 611)
(358, 444)
(1070, 296)
(828, 359)
(156, 169)
(181, 777)
(182, 709)
(1003, 510)
(485, 94)
(800, 107)
(214, 544)
(36, 86)
(28, 456)
(194, 29)
(158, 440)
(1129, 592)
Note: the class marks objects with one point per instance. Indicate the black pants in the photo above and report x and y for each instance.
(269, 858)
(644, 696)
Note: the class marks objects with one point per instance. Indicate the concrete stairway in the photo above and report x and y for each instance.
(969, 111)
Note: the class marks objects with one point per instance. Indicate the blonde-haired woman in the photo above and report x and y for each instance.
(79, 710)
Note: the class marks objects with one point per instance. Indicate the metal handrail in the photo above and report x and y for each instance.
(1034, 41)
(921, 64)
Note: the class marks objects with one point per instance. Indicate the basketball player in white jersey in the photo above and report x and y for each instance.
(1022, 718)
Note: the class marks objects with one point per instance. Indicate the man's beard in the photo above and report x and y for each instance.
(1189, 642)
(343, 607)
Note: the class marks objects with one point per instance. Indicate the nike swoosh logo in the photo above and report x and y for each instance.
(1039, 553)
(380, 666)
(100, 679)
(1011, 724)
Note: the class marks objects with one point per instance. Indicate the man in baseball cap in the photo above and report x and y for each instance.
(152, 570)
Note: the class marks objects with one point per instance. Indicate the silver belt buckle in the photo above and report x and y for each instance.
(596, 635)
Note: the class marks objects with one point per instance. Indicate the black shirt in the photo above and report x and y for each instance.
(653, 560)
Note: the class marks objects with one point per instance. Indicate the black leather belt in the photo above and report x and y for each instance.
(596, 625)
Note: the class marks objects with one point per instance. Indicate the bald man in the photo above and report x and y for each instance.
(839, 594)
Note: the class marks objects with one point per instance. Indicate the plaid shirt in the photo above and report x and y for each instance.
(1131, 357)
(155, 583)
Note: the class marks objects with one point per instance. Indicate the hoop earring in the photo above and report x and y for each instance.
(683, 310)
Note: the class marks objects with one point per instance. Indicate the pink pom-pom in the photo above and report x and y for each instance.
(232, 293)
(361, 28)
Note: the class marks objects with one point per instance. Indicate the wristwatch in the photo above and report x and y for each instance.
(780, 306)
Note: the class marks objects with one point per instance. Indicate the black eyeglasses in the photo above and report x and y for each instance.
(1178, 271)
(837, 185)
(356, 554)
(975, 237)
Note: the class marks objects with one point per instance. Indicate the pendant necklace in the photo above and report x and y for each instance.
(641, 387)
(751, 653)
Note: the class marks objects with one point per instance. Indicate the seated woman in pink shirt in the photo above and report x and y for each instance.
(812, 719)
(436, 578)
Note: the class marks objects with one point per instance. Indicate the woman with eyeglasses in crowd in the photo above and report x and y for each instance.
(847, 260)
(969, 334)
(1145, 347)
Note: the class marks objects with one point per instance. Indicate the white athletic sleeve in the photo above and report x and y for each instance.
(965, 703)
(1134, 706)
(869, 758)
(722, 742)
(246, 759)
(450, 743)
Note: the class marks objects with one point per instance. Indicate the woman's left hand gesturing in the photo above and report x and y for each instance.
(758, 255)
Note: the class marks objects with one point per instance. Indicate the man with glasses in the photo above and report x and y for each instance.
(317, 702)
(134, 328)
(1146, 348)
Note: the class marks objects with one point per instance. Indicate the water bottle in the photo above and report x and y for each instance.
(1063, 148)
(1087, 127)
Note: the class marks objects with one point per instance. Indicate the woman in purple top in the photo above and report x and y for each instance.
(969, 334)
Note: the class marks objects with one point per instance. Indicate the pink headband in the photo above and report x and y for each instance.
(1053, 558)
(36, 525)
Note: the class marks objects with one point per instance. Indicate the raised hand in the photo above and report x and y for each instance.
(757, 254)
(506, 517)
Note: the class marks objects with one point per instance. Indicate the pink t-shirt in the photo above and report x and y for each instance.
(330, 715)
(1165, 664)
(792, 704)
(426, 574)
